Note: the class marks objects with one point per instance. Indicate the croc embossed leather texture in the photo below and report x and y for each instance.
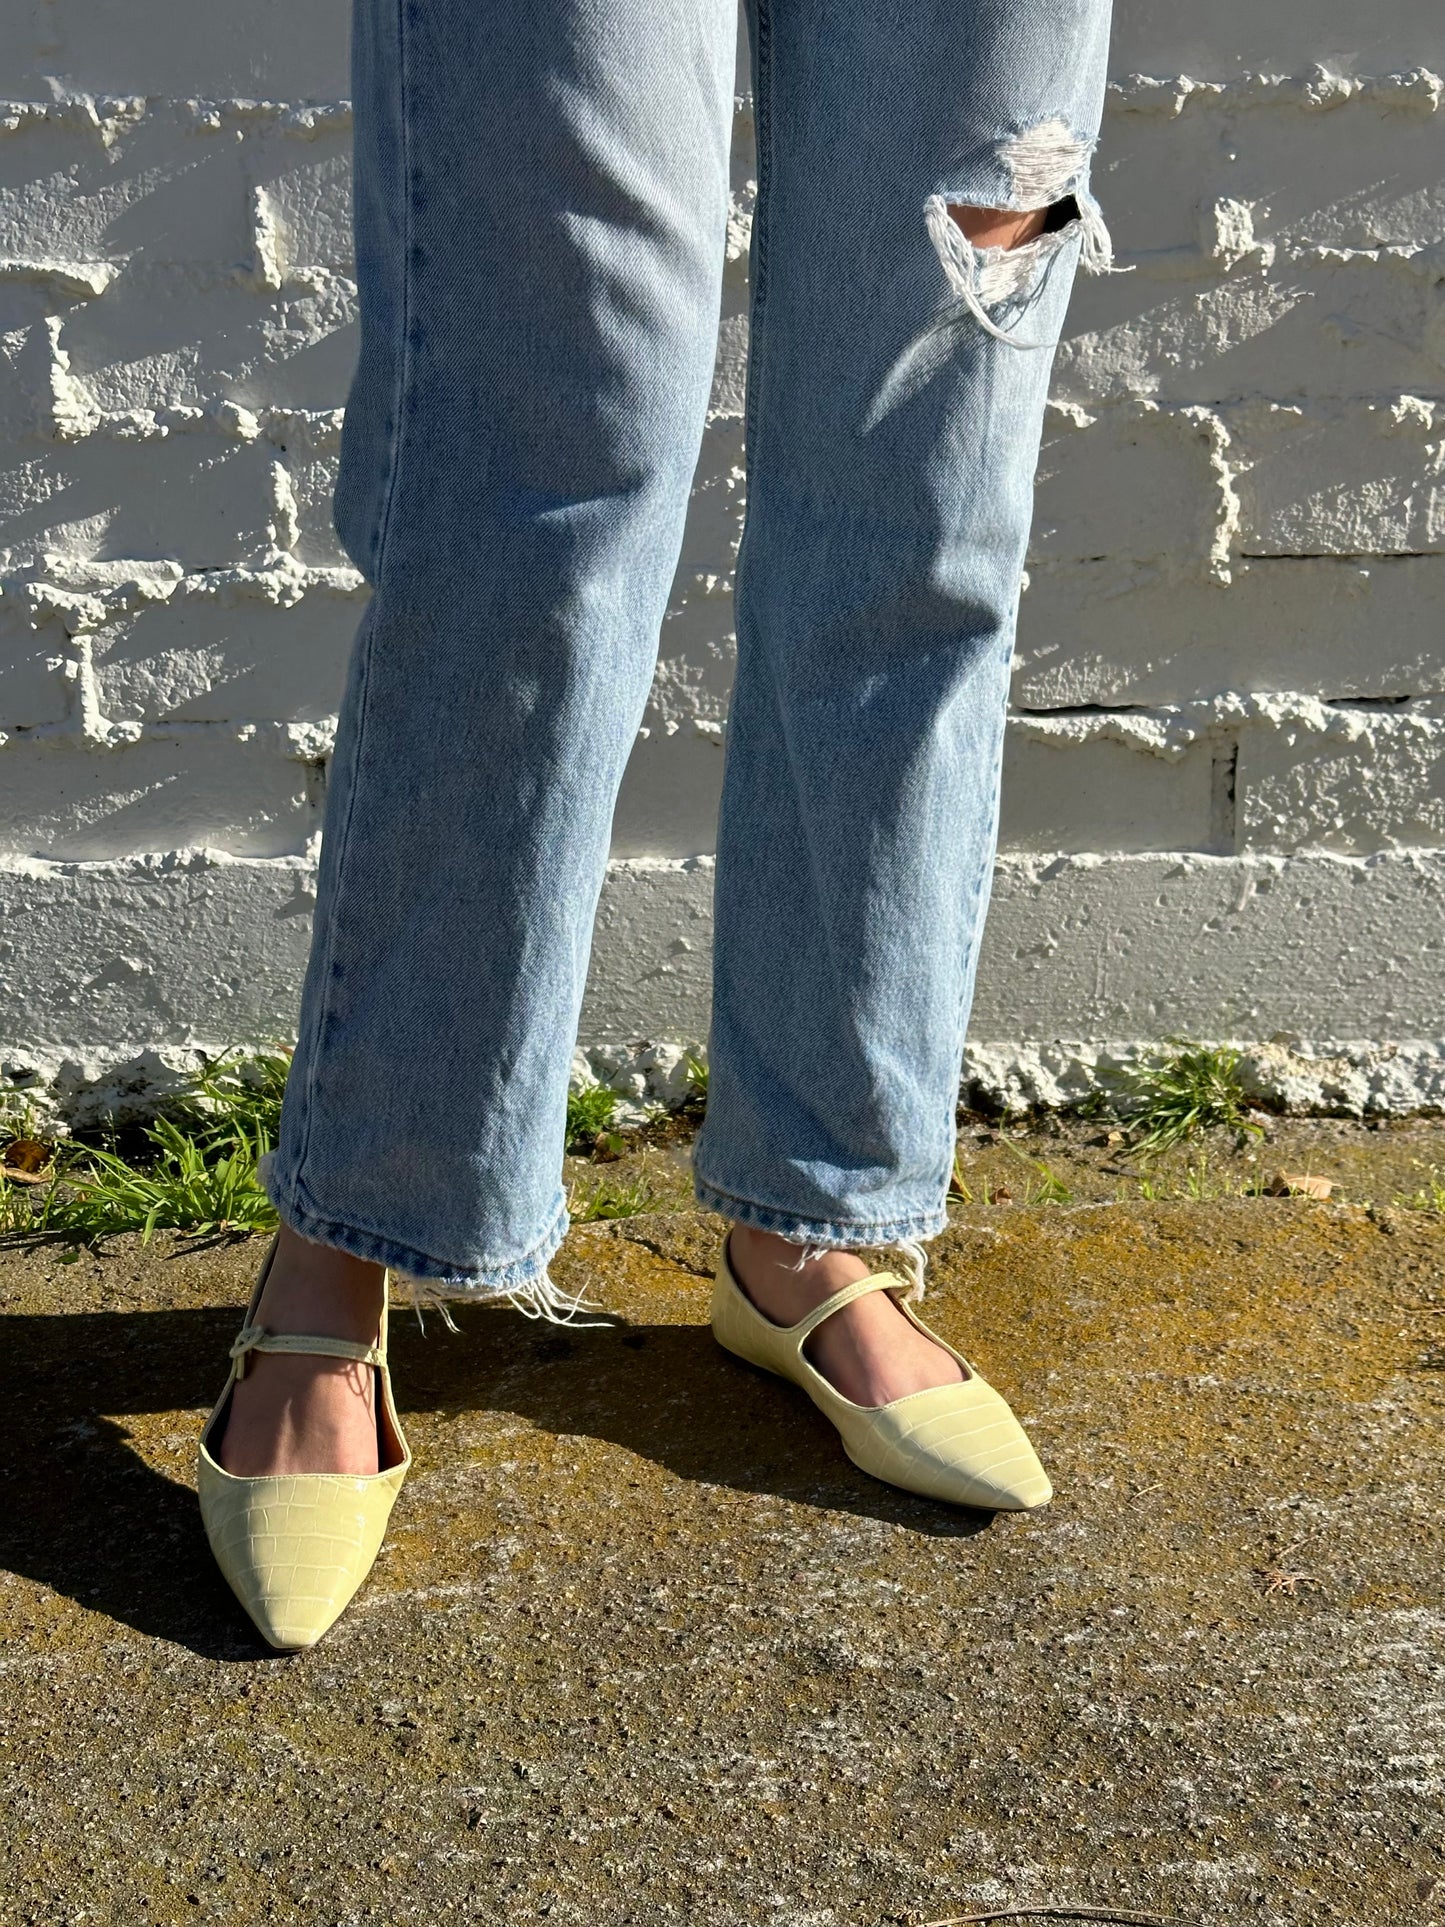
(294, 1547)
(959, 1443)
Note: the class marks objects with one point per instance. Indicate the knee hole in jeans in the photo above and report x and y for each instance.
(995, 255)
(1003, 227)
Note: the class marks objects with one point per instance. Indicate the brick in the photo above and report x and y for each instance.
(34, 689)
(715, 512)
(1354, 478)
(307, 190)
(169, 337)
(1099, 795)
(1127, 481)
(668, 803)
(26, 358)
(1354, 176)
(1314, 946)
(1240, 37)
(98, 953)
(1374, 782)
(67, 801)
(1109, 632)
(1368, 325)
(208, 657)
(158, 191)
(196, 499)
(1057, 796)
(311, 479)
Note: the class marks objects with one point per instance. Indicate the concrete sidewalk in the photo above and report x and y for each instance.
(644, 1647)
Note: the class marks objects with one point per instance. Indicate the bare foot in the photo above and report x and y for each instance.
(293, 1413)
(868, 1351)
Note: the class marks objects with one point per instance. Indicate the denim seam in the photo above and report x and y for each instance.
(757, 336)
(767, 1217)
(403, 382)
(403, 371)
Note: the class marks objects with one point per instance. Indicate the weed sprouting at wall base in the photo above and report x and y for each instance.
(1198, 1087)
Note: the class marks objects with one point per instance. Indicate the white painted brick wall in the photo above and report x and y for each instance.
(1225, 780)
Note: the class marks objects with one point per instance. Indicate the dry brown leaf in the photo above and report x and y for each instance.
(25, 1160)
(1299, 1184)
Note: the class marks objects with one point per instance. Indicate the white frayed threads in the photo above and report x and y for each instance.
(539, 1298)
(422, 1293)
(1005, 274)
(966, 267)
(808, 1252)
(917, 1260)
(913, 1252)
(981, 277)
(1045, 166)
(1044, 163)
(542, 1299)
(1097, 253)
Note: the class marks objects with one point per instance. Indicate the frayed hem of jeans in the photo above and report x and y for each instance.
(429, 1284)
(817, 1238)
(915, 1257)
(540, 1298)
(825, 1233)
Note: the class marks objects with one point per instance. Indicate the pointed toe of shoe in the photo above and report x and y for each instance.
(294, 1549)
(958, 1443)
(1028, 1488)
(284, 1622)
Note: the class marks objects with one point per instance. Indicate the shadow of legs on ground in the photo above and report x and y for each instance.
(84, 1513)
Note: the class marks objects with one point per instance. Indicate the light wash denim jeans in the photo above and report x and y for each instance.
(541, 200)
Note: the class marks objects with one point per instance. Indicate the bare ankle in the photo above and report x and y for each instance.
(320, 1289)
(786, 1277)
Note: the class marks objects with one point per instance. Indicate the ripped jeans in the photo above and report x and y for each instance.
(541, 204)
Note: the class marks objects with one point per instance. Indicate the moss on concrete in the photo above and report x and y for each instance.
(644, 1647)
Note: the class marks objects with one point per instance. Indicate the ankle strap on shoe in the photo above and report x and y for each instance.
(860, 1287)
(256, 1338)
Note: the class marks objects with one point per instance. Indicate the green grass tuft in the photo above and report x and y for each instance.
(193, 1169)
(1430, 1196)
(191, 1184)
(696, 1081)
(1196, 1089)
(1045, 1186)
(610, 1197)
(590, 1113)
(236, 1095)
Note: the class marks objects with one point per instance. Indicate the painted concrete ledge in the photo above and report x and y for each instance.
(1327, 967)
(642, 1646)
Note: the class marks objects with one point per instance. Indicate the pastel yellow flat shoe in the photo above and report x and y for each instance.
(294, 1547)
(960, 1443)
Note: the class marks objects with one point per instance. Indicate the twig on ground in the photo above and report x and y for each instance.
(1125, 1915)
(1288, 1582)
